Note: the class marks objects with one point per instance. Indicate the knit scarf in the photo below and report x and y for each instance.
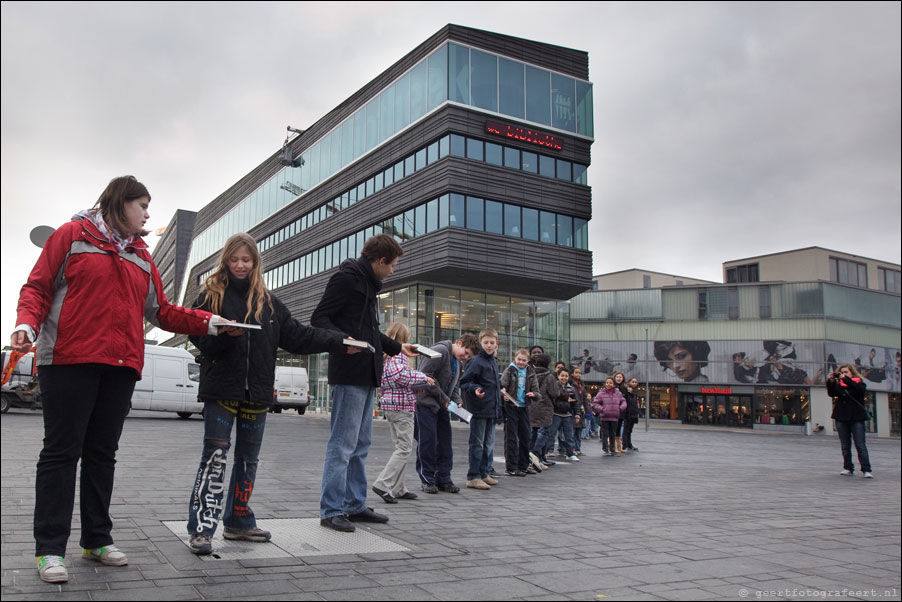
(110, 234)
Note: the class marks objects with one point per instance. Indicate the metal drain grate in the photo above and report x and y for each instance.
(293, 537)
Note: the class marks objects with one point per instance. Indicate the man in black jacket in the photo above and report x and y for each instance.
(349, 305)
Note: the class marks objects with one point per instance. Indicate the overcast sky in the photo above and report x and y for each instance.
(722, 131)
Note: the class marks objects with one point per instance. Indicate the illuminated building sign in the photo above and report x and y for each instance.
(523, 135)
(717, 390)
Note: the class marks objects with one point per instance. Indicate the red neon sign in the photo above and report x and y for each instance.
(523, 135)
(717, 390)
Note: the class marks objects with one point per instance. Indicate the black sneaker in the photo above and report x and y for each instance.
(386, 496)
(448, 487)
(368, 516)
(338, 522)
(531, 470)
(516, 473)
(430, 488)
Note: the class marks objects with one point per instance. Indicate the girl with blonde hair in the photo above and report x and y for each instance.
(237, 372)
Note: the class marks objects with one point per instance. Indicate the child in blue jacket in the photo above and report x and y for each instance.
(481, 391)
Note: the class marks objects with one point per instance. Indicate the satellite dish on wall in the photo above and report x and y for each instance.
(40, 234)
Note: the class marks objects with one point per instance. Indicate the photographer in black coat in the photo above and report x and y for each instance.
(848, 391)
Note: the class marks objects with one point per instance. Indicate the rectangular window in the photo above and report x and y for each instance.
(459, 73)
(584, 118)
(438, 77)
(398, 228)
(732, 303)
(474, 149)
(563, 102)
(432, 216)
(889, 280)
(702, 304)
(399, 171)
(444, 147)
(580, 174)
(389, 176)
(538, 95)
(511, 157)
(378, 182)
(387, 116)
(764, 303)
(848, 272)
(530, 162)
(443, 211)
(646, 281)
(420, 224)
(402, 103)
(458, 146)
(410, 165)
(457, 211)
(564, 230)
(475, 214)
(352, 196)
(359, 133)
(564, 170)
(493, 153)
(546, 166)
(421, 159)
(372, 124)
(512, 220)
(484, 80)
(432, 153)
(742, 273)
(494, 218)
(419, 77)
(546, 227)
(530, 223)
(581, 233)
(511, 88)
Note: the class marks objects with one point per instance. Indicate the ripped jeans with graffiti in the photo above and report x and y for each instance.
(206, 505)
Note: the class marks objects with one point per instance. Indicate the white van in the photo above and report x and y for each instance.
(169, 382)
(292, 389)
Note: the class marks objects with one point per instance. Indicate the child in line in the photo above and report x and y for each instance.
(519, 388)
(482, 396)
(398, 403)
(608, 404)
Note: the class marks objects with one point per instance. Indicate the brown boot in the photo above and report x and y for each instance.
(618, 445)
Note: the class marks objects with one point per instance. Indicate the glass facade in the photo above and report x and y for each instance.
(453, 72)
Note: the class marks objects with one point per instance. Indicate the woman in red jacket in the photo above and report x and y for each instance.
(86, 298)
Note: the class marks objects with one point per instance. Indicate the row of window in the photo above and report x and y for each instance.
(546, 98)
(453, 144)
(449, 210)
(889, 280)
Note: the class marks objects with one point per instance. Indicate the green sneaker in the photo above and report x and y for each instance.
(108, 555)
(51, 569)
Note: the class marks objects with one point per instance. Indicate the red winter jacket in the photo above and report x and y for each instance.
(87, 302)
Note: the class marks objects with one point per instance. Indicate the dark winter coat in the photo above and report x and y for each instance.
(632, 407)
(541, 412)
(243, 367)
(482, 373)
(349, 305)
(848, 399)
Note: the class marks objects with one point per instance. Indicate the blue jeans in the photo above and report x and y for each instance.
(848, 431)
(344, 471)
(482, 437)
(547, 434)
(205, 507)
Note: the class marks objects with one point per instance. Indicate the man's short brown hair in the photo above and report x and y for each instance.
(382, 246)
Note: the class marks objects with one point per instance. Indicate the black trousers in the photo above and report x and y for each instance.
(628, 425)
(435, 456)
(517, 435)
(85, 406)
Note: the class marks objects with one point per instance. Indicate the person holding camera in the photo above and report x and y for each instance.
(848, 391)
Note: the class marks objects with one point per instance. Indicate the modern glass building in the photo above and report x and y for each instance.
(472, 150)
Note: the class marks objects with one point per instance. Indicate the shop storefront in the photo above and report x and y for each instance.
(720, 406)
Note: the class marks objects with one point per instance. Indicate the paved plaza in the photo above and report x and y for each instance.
(696, 514)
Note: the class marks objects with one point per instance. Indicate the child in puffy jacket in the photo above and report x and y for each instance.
(609, 404)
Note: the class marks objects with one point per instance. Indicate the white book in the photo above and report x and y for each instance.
(456, 409)
(240, 325)
(359, 344)
(430, 353)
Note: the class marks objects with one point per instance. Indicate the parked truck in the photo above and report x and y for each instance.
(291, 389)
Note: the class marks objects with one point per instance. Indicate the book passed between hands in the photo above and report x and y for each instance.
(430, 353)
(239, 325)
(363, 345)
(465, 415)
